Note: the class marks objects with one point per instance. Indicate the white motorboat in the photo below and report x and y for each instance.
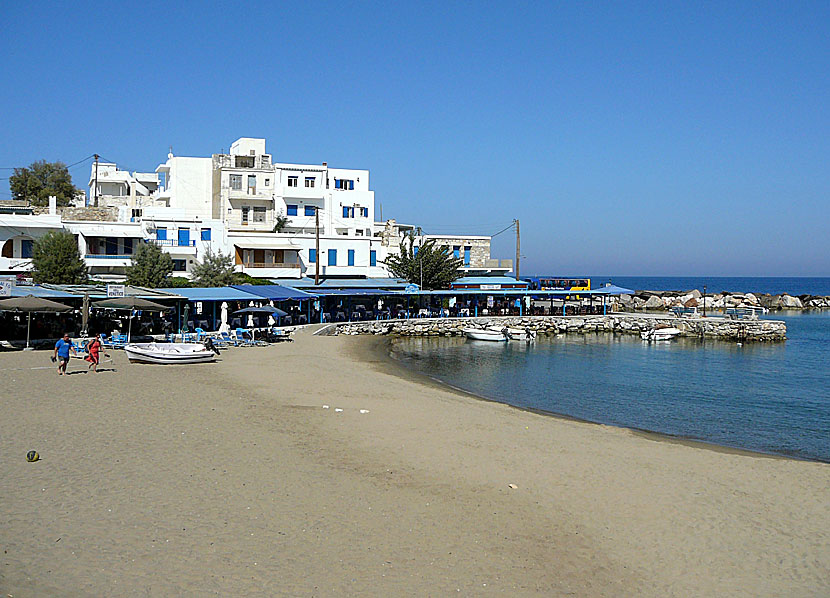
(166, 353)
(659, 334)
(485, 334)
(521, 334)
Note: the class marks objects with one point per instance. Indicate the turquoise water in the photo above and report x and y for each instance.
(772, 398)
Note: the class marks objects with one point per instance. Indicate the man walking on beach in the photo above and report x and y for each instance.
(62, 348)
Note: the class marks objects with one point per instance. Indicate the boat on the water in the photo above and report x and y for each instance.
(521, 334)
(167, 353)
(659, 334)
(486, 334)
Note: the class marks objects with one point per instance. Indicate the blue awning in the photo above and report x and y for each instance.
(274, 292)
(38, 291)
(357, 292)
(212, 294)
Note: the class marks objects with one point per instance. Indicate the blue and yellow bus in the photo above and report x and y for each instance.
(549, 283)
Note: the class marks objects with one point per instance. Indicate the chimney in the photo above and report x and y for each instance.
(53, 205)
(325, 164)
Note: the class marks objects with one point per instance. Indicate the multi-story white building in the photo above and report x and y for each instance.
(277, 220)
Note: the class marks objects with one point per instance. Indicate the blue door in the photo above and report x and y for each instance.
(351, 257)
(184, 237)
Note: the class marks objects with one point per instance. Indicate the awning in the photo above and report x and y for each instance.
(273, 292)
(256, 243)
(213, 294)
(37, 291)
(134, 233)
(356, 292)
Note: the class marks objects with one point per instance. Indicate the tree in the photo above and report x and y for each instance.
(40, 180)
(151, 267)
(56, 259)
(280, 223)
(430, 267)
(215, 270)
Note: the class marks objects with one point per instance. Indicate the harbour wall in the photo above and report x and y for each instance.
(695, 327)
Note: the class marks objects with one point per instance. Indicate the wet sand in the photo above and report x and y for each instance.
(232, 479)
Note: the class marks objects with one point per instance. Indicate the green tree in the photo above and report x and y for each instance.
(280, 223)
(215, 270)
(40, 180)
(56, 259)
(151, 267)
(430, 266)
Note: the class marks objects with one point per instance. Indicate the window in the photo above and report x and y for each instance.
(351, 257)
(373, 258)
(236, 182)
(245, 211)
(267, 182)
(312, 256)
(136, 213)
(179, 265)
(348, 212)
(251, 184)
(291, 209)
(310, 211)
(26, 246)
(364, 212)
(332, 257)
(358, 232)
(456, 250)
(309, 182)
(161, 233)
(467, 255)
(259, 214)
(344, 184)
(205, 234)
(293, 181)
(244, 161)
(128, 246)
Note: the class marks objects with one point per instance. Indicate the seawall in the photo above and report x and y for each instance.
(712, 327)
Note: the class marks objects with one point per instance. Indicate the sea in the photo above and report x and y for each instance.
(766, 397)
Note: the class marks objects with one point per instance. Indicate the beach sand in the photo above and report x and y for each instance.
(231, 479)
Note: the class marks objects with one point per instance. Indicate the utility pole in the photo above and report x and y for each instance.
(317, 249)
(420, 261)
(95, 188)
(518, 247)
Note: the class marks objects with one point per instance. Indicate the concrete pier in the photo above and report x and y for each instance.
(618, 323)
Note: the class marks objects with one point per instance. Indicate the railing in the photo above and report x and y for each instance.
(266, 265)
(104, 256)
(172, 242)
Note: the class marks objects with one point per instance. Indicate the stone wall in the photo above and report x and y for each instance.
(719, 328)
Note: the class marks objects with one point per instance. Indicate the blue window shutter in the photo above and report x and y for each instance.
(373, 258)
(332, 257)
(205, 234)
(291, 209)
(312, 255)
(161, 234)
(345, 212)
(351, 185)
(309, 210)
(466, 256)
(351, 257)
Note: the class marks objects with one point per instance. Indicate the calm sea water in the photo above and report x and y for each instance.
(774, 286)
(773, 398)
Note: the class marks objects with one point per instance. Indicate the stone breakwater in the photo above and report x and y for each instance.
(663, 300)
(716, 328)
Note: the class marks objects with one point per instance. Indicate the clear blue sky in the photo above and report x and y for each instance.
(632, 139)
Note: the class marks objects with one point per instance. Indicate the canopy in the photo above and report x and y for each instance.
(213, 294)
(257, 243)
(131, 303)
(265, 309)
(611, 289)
(275, 292)
(31, 303)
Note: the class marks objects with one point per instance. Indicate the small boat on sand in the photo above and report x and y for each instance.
(166, 353)
(485, 334)
(659, 334)
(521, 334)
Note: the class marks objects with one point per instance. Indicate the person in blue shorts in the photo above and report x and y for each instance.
(62, 348)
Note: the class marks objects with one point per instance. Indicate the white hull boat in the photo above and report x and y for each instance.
(659, 334)
(521, 334)
(166, 353)
(478, 334)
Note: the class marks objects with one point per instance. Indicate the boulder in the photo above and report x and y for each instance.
(696, 294)
(654, 302)
(692, 302)
(789, 302)
(751, 299)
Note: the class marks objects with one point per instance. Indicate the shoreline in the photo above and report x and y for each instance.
(233, 479)
(380, 347)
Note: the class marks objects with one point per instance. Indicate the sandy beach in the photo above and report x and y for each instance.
(232, 479)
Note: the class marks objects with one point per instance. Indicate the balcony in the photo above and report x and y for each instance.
(272, 270)
(301, 192)
(114, 260)
(172, 242)
(267, 265)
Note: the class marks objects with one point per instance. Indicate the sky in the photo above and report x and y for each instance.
(664, 138)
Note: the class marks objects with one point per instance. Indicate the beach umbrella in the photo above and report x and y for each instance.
(30, 304)
(131, 303)
(265, 309)
(223, 327)
(85, 314)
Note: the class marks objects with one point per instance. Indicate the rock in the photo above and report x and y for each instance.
(751, 299)
(692, 302)
(788, 302)
(696, 294)
(654, 302)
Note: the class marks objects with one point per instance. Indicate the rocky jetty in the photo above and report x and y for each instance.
(715, 328)
(665, 300)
